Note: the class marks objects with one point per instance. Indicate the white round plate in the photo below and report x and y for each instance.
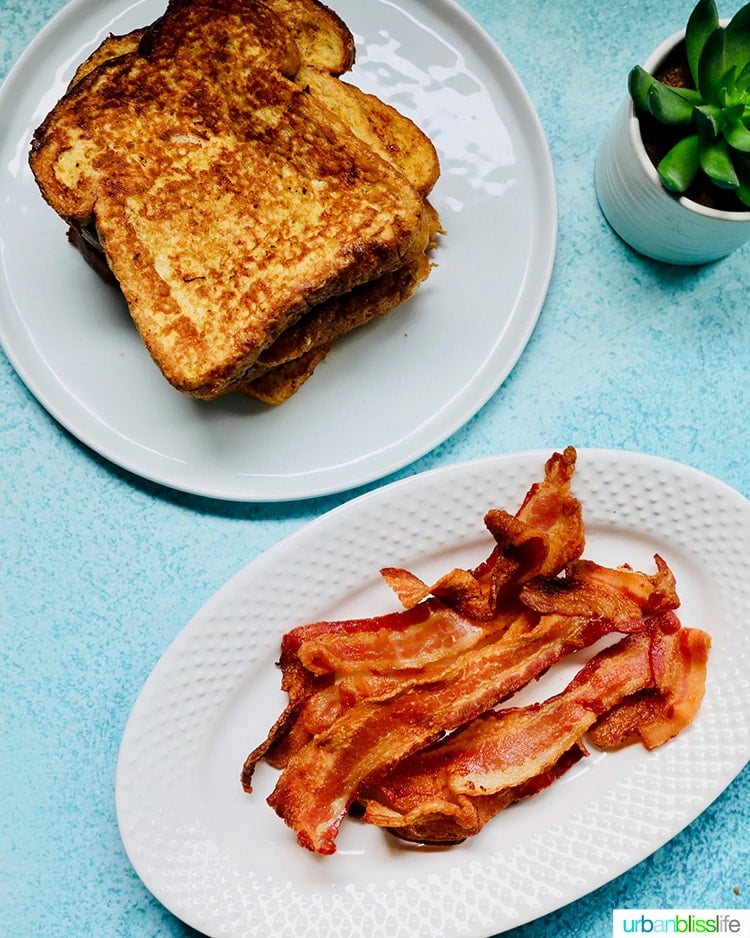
(223, 862)
(389, 392)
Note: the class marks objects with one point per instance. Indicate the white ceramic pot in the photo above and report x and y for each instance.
(638, 207)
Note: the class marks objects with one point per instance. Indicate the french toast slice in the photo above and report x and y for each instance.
(228, 202)
(323, 39)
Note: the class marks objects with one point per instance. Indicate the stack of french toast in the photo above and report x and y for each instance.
(251, 205)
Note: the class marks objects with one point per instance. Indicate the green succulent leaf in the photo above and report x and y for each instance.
(728, 89)
(724, 58)
(668, 105)
(716, 163)
(639, 82)
(737, 136)
(680, 166)
(732, 113)
(708, 120)
(743, 80)
(712, 121)
(713, 67)
(689, 94)
(737, 40)
(702, 22)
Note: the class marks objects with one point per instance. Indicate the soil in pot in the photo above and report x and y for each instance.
(658, 139)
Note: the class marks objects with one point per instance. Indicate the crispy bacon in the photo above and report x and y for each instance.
(321, 780)
(544, 535)
(682, 688)
(277, 734)
(394, 642)
(328, 666)
(504, 750)
(679, 662)
(394, 716)
(590, 589)
(446, 822)
(613, 605)
(449, 792)
(620, 595)
(619, 726)
(463, 589)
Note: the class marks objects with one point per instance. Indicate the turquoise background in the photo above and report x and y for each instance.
(100, 570)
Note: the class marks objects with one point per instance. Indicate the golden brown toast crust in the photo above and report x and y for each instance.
(292, 359)
(340, 315)
(322, 37)
(283, 382)
(110, 48)
(227, 200)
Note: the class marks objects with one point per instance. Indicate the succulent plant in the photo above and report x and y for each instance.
(715, 114)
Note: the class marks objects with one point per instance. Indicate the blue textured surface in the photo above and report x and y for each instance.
(101, 570)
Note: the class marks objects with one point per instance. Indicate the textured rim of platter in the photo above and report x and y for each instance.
(224, 863)
(387, 394)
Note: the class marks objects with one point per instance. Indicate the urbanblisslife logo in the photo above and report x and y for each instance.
(730, 923)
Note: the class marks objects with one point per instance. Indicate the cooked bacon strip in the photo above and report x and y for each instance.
(504, 750)
(590, 589)
(619, 726)
(462, 589)
(679, 662)
(444, 823)
(320, 781)
(549, 507)
(394, 642)
(544, 535)
(369, 657)
(278, 732)
(300, 686)
(682, 682)
(324, 705)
